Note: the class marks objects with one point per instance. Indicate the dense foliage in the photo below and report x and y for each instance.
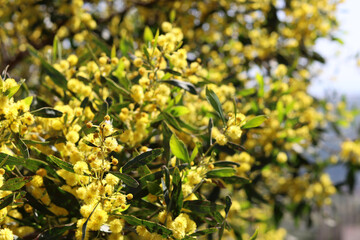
(163, 119)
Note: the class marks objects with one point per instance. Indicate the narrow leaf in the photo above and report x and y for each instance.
(178, 148)
(54, 74)
(14, 184)
(184, 85)
(60, 163)
(255, 122)
(215, 103)
(221, 172)
(47, 112)
(142, 159)
(128, 180)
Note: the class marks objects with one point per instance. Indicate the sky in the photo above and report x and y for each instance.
(341, 72)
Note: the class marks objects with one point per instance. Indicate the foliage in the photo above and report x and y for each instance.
(144, 119)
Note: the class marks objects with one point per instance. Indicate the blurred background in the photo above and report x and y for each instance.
(339, 77)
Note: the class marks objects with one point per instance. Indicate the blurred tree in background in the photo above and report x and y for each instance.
(164, 119)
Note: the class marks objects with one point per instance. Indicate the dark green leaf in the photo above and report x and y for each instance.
(60, 163)
(6, 201)
(205, 232)
(184, 85)
(37, 205)
(62, 198)
(57, 232)
(171, 120)
(202, 206)
(47, 112)
(210, 127)
(101, 44)
(114, 86)
(255, 122)
(151, 226)
(128, 180)
(54, 74)
(228, 204)
(226, 164)
(236, 180)
(215, 103)
(177, 197)
(172, 72)
(14, 184)
(166, 141)
(31, 164)
(142, 159)
(84, 226)
(221, 172)
(90, 144)
(21, 146)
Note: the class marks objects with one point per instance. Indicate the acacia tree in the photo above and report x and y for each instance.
(162, 119)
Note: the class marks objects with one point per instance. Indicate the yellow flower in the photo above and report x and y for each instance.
(221, 139)
(281, 157)
(6, 234)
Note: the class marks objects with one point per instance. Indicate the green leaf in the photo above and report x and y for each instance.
(195, 151)
(226, 164)
(14, 184)
(124, 46)
(236, 146)
(255, 122)
(113, 51)
(236, 180)
(228, 204)
(101, 44)
(205, 232)
(90, 144)
(38, 205)
(21, 146)
(178, 148)
(142, 159)
(54, 74)
(151, 226)
(181, 84)
(57, 232)
(62, 198)
(11, 91)
(84, 226)
(28, 100)
(47, 112)
(128, 180)
(168, 70)
(60, 163)
(261, 83)
(254, 236)
(148, 35)
(177, 197)
(210, 127)
(221, 172)
(202, 206)
(178, 111)
(171, 120)
(114, 86)
(172, 15)
(247, 92)
(156, 39)
(166, 141)
(31, 164)
(6, 201)
(215, 103)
